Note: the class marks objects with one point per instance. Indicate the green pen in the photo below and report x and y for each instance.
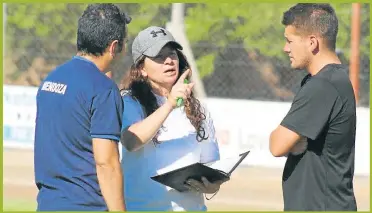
(180, 100)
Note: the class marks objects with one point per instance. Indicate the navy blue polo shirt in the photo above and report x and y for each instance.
(75, 103)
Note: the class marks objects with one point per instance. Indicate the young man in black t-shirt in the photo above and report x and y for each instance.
(318, 133)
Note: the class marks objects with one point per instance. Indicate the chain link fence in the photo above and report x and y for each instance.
(239, 54)
(242, 74)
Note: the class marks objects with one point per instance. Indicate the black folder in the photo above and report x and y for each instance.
(176, 179)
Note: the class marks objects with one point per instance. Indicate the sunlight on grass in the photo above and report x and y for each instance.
(18, 205)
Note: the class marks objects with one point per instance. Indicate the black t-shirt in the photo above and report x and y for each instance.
(321, 179)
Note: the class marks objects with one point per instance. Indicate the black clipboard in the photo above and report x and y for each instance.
(176, 179)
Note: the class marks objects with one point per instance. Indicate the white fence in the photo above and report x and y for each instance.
(240, 125)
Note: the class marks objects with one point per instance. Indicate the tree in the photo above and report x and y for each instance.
(258, 26)
(48, 32)
(44, 35)
(35, 32)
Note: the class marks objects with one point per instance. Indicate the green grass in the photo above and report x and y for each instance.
(18, 205)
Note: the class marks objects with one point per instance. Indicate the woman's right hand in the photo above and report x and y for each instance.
(180, 90)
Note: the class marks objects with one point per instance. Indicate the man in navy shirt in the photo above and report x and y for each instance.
(79, 119)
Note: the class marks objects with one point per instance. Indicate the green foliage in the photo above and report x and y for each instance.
(146, 14)
(259, 27)
(48, 22)
(50, 29)
(54, 25)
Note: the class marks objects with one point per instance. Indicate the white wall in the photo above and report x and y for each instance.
(240, 125)
(244, 124)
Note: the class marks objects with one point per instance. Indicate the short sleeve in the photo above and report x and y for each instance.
(209, 148)
(132, 113)
(106, 119)
(311, 109)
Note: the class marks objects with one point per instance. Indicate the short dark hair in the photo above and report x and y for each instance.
(99, 25)
(314, 18)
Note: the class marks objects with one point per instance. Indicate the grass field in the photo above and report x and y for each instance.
(250, 188)
(18, 205)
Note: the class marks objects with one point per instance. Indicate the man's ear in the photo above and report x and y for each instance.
(313, 44)
(113, 47)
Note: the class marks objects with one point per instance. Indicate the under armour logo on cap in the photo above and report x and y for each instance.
(155, 33)
(151, 40)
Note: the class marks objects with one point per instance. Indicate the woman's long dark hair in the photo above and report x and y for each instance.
(140, 89)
